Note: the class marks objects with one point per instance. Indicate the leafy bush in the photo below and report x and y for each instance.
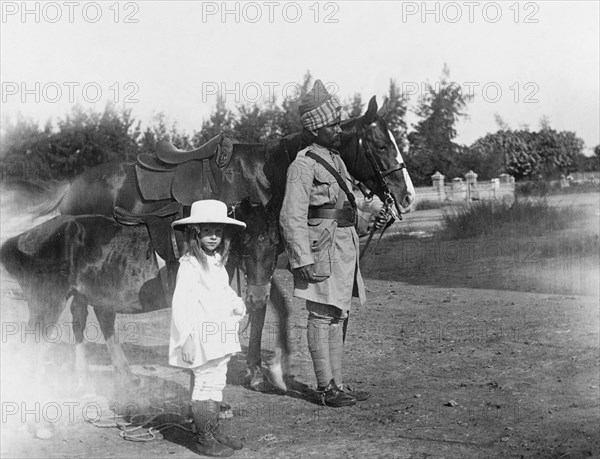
(427, 204)
(532, 188)
(544, 188)
(522, 217)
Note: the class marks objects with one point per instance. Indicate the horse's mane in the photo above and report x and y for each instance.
(279, 153)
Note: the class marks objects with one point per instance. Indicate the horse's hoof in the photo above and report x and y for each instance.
(44, 432)
(128, 379)
(254, 378)
(275, 377)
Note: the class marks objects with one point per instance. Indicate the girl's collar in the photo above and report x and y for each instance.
(216, 256)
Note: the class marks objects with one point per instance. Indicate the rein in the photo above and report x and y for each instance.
(244, 256)
(380, 175)
(381, 184)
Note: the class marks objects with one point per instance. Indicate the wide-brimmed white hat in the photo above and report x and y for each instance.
(209, 211)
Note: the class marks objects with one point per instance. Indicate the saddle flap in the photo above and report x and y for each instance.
(188, 184)
(153, 185)
(150, 162)
(167, 153)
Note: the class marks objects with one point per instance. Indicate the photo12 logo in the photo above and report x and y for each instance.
(70, 12)
(270, 12)
(64, 411)
(253, 92)
(53, 92)
(55, 332)
(470, 12)
(490, 91)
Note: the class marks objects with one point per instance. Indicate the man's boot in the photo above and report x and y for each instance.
(206, 418)
(359, 395)
(226, 440)
(333, 396)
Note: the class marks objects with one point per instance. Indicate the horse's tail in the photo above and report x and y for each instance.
(50, 205)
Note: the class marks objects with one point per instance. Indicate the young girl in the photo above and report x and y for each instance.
(206, 311)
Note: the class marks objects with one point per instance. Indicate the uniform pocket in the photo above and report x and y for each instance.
(322, 264)
(322, 235)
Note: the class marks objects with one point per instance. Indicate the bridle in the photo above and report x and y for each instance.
(245, 255)
(380, 175)
(381, 185)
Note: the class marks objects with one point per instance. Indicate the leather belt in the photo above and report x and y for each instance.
(345, 217)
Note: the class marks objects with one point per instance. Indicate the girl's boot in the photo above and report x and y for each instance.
(206, 418)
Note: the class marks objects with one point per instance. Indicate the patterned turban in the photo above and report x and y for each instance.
(318, 108)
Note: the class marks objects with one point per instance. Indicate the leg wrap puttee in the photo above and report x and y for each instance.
(336, 349)
(318, 345)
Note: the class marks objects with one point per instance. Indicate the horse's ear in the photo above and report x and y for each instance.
(371, 111)
(384, 108)
(245, 206)
(273, 207)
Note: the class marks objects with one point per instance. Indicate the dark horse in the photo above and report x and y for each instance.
(257, 171)
(94, 260)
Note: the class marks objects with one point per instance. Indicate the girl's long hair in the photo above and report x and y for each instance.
(191, 244)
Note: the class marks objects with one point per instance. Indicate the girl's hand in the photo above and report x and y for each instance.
(188, 353)
(240, 310)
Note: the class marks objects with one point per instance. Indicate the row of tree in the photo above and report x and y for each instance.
(84, 139)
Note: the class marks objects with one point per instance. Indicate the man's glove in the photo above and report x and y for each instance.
(382, 218)
(306, 272)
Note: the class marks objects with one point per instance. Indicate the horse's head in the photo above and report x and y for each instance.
(258, 247)
(373, 158)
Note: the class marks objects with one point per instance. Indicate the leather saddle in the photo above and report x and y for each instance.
(184, 176)
(168, 154)
(157, 188)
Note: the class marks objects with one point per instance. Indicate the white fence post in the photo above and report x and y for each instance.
(438, 185)
(471, 178)
(457, 188)
(495, 185)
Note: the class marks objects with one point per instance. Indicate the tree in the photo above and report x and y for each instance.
(289, 120)
(81, 140)
(431, 146)
(221, 120)
(86, 139)
(527, 155)
(354, 107)
(557, 151)
(256, 124)
(501, 123)
(396, 113)
(486, 156)
(22, 150)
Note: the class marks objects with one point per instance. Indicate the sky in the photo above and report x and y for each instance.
(521, 61)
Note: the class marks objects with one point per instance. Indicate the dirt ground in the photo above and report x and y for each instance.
(481, 349)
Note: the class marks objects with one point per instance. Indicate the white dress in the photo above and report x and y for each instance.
(204, 306)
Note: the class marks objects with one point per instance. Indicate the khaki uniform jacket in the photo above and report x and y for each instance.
(333, 250)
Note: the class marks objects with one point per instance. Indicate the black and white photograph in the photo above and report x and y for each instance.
(372, 226)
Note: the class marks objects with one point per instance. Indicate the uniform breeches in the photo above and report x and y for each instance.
(210, 379)
(325, 341)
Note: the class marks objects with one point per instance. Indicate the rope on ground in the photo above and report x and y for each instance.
(141, 432)
(267, 437)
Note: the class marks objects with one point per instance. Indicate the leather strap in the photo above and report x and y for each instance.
(336, 176)
(333, 214)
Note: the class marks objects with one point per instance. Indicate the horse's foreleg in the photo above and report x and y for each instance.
(79, 312)
(106, 319)
(253, 357)
(279, 367)
(279, 301)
